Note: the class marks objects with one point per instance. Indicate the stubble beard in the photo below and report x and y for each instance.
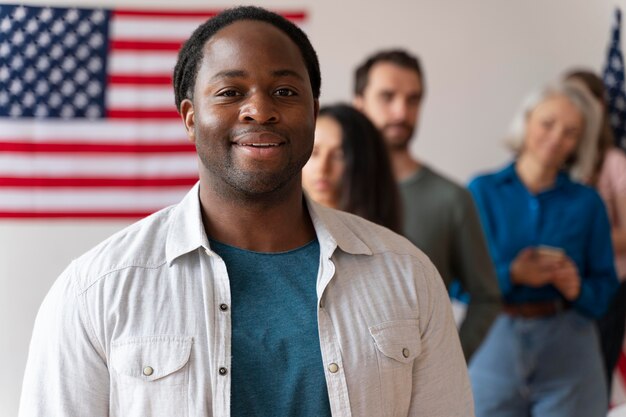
(234, 183)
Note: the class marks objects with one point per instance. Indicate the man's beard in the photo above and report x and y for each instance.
(398, 140)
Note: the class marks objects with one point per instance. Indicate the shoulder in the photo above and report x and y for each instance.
(141, 244)
(439, 187)
(354, 232)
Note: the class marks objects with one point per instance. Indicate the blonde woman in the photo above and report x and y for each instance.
(550, 241)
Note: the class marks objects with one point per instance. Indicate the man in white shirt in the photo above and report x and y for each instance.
(166, 318)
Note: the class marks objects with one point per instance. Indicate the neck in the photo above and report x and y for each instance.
(535, 176)
(276, 222)
(402, 163)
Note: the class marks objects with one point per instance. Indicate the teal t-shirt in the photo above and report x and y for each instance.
(277, 367)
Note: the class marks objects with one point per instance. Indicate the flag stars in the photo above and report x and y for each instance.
(70, 40)
(29, 99)
(93, 112)
(17, 63)
(45, 15)
(83, 28)
(81, 100)
(71, 16)
(55, 100)
(97, 16)
(4, 73)
(32, 26)
(67, 111)
(16, 111)
(69, 65)
(55, 76)
(82, 52)
(30, 75)
(95, 41)
(19, 14)
(4, 98)
(15, 87)
(42, 88)
(44, 39)
(5, 49)
(94, 64)
(81, 76)
(41, 111)
(18, 38)
(5, 25)
(56, 52)
(93, 89)
(43, 63)
(30, 51)
(68, 88)
(58, 27)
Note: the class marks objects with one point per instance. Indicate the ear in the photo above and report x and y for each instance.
(316, 108)
(187, 113)
(357, 102)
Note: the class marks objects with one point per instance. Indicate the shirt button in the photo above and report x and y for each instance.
(223, 371)
(147, 371)
(333, 368)
(224, 307)
(406, 352)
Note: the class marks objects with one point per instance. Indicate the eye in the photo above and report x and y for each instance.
(285, 92)
(229, 93)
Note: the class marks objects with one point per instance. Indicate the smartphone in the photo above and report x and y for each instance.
(550, 251)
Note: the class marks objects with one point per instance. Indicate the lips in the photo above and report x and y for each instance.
(262, 139)
(261, 145)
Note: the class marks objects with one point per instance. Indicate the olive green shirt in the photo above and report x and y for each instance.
(441, 219)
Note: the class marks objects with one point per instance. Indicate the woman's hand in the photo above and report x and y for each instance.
(531, 269)
(566, 279)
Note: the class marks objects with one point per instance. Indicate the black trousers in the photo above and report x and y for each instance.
(611, 328)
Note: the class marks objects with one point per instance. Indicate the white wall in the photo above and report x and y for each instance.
(480, 58)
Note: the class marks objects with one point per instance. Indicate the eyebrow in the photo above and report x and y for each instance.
(243, 74)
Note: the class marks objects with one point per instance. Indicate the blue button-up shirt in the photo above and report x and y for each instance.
(569, 215)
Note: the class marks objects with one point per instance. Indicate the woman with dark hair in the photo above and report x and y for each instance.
(609, 178)
(349, 168)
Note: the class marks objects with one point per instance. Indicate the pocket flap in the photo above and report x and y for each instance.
(150, 358)
(399, 339)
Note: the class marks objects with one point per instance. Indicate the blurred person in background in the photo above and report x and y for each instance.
(439, 215)
(349, 168)
(609, 178)
(550, 240)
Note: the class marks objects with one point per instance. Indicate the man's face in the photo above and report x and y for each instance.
(252, 117)
(391, 100)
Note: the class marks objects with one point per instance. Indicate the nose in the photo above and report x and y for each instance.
(259, 108)
(399, 109)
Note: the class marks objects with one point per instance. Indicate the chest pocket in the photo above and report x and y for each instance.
(150, 376)
(398, 344)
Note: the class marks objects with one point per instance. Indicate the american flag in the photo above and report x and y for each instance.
(614, 81)
(88, 124)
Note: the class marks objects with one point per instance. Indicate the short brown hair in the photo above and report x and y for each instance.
(397, 57)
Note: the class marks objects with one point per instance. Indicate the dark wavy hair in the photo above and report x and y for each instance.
(368, 187)
(191, 53)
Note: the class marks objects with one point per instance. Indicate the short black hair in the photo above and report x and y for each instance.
(191, 53)
(397, 57)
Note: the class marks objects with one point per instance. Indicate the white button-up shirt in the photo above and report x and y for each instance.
(140, 326)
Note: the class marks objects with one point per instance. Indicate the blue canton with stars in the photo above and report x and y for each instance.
(614, 82)
(52, 62)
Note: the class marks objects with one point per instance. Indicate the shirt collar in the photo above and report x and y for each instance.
(186, 232)
(332, 231)
(508, 174)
